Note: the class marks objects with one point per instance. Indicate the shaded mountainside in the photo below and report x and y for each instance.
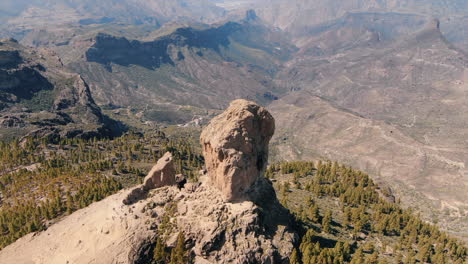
(38, 96)
(199, 68)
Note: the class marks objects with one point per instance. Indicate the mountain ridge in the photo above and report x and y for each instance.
(43, 99)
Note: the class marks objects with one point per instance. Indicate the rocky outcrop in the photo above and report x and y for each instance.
(162, 174)
(255, 229)
(220, 232)
(235, 146)
(216, 232)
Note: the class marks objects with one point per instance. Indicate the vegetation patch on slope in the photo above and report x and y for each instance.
(41, 181)
(346, 218)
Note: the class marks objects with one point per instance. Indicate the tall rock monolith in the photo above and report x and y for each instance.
(235, 147)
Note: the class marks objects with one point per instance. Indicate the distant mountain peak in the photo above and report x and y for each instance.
(251, 15)
(430, 33)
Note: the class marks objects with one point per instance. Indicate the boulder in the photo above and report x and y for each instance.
(162, 174)
(235, 146)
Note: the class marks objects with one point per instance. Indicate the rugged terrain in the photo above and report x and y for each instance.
(339, 214)
(254, 229)
(184, 72)
(39, 97)
(18, 17)
(216, 231)
(396, 112)
(379, 85)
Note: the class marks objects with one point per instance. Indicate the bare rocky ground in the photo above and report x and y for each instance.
(111, 232)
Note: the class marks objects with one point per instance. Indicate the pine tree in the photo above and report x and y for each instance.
(373, 258)
(159, 253)
(326, 222)
(425, 252)
(294, 258)
(69, 203)
(314, 213)
(358, 257)
(178, 253)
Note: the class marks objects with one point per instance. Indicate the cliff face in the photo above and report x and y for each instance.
(235, 146)
(40, 97)
(109, 49)
(183, 67)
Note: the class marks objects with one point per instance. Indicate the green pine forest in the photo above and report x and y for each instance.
(42, 181)
(341, 214)
(346, 218)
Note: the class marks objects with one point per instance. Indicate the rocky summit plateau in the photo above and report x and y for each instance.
(125, 227)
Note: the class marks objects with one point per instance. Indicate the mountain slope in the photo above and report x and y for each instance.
(298, 16)
(339, 214)
(38, 96)
(194, 221)
(394, 84)
(294, 15)
(397, 111)
(424, 177)
(190, 67)
(25, 15)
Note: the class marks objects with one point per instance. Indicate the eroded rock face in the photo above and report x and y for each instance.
(235, 146)
(162, 174)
